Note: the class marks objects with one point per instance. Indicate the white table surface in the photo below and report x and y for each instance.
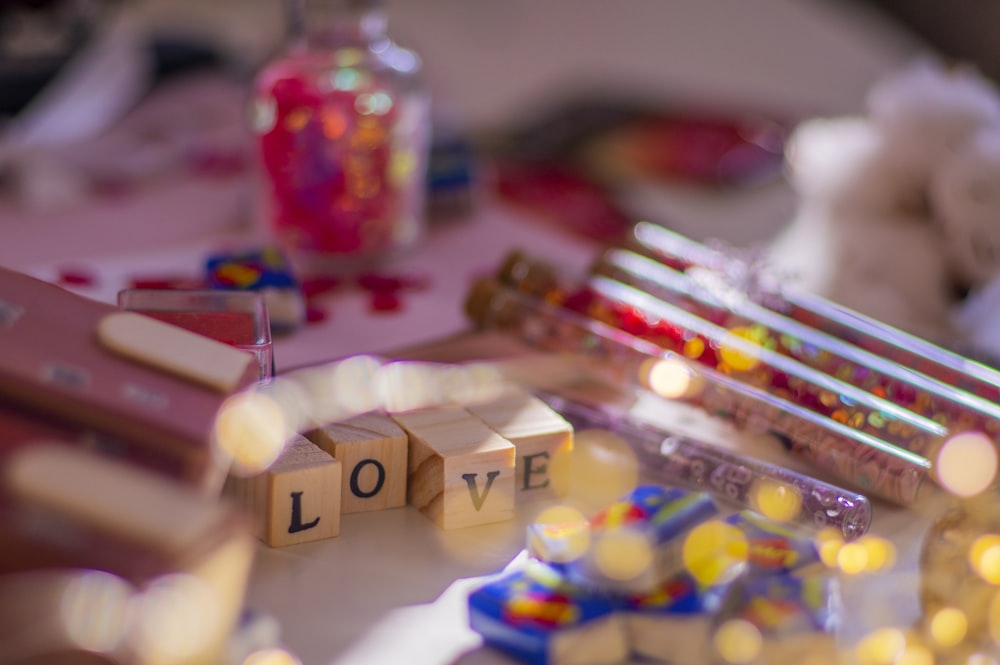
(362, 597)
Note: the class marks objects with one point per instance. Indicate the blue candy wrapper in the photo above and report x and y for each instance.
(266, 270)
(649, 523)
(673, 623)
(558, 544)
(797, 617)
(774, 548)
(537, 616)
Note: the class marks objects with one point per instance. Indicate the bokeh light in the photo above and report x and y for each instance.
(565, 534)
(599, 469)
(948, 626)
(915, 654)
(622, 554)
(405, 386)
(474, 383)
(293, 401)
(353, 383)
(993, 618)
(881, 647)
(984, 557)
(738, 641)
(776, 500)
(828, 542)
(671, 378)
(273, 656)
(252, 431)
(966, 464)
(177, 618)
(715, 552)
(94, 609)
(852, 558)
(980, 659)
(881, 553)
(739, 359)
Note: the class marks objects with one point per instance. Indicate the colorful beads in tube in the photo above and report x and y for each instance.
(851, 455)
(953, 451)
(680, 253)
(740, 481)
(957, 410)
(727, 351)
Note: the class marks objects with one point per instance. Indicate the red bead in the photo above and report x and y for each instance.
(579, 301)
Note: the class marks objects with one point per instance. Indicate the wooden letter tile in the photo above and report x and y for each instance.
(460, 472)
(537, 432)
(297, 500)
(372, 449)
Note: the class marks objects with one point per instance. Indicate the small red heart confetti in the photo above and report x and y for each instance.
(385, 301)
(317, 286)
(76, 277)
(316, 314)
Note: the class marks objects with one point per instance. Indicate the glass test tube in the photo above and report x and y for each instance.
(680, 253)
(676, 329)
(736, 479)
(851, 455)
(957, 410)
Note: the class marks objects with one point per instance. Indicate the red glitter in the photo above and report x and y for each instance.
(316, 314)
(385, 301)
(317, 286)
(167, 282)
(76, 277)
(379, 282)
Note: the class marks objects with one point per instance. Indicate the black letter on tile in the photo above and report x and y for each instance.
(530, 470)
(297, 524)
(355, 490)
(477, 498)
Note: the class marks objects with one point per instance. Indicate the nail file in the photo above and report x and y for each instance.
(175, 350)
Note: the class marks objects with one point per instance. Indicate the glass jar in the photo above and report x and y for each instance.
(342, 124)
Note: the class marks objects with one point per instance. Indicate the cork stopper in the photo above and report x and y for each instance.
(479, 302)
(520, 270)
(512, 266)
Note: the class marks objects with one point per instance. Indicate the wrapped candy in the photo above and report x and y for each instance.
(538, 617)
(673, 623)
(778, 619)
(775, 548)
(636, 543)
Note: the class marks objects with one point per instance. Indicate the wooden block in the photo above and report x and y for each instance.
(459, 471)
(297, 500)
(538, 434)
(372, 449)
